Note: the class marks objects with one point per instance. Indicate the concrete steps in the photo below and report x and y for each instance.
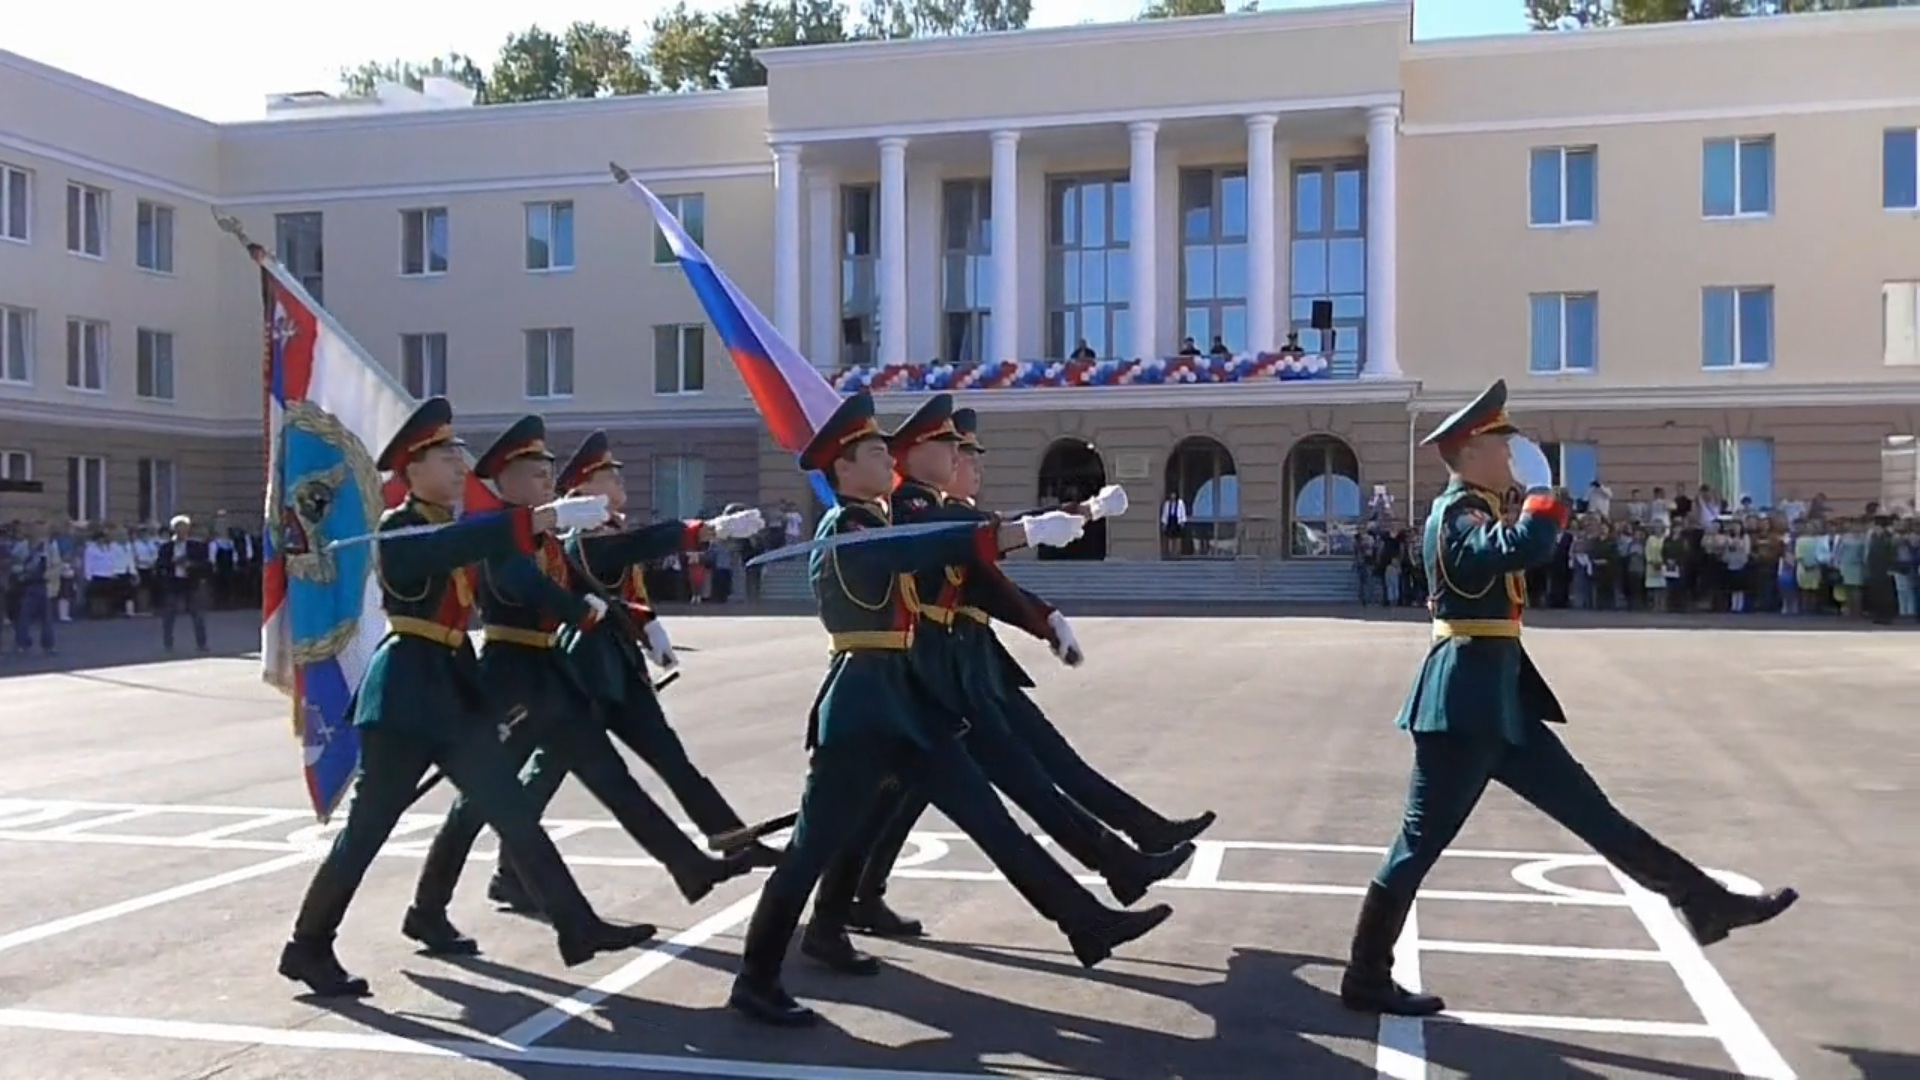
(1146, 581)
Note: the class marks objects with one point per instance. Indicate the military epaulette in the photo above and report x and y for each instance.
(866, 514)
(914, 500)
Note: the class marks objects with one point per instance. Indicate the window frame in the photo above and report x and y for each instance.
(79, 487)
(103, 220)
(1562, 301)
(8, 457)
(426, 217)
(553, 209)
(423, 356)
(28, 328)
(1735, 336)
(677, 206)
(1739, 143)
(680, 333)
(549, 336)
(1887, 137)
(103, 349)
(148, 489)
(1888, 290)
(1562, 153)
(148, 216)
(147, 365)
(8, 171)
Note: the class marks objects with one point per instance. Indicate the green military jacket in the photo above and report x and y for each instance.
(1477, 679)
(423, 675)
(612, 669)
(526, 600)
(869, 604)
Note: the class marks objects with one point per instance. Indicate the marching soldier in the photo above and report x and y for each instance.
(421, 705)
(926, 449)
(525, 600)
(1479, 712)
(869, 726)
(608, 657)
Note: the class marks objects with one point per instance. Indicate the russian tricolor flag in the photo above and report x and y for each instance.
(791, 394)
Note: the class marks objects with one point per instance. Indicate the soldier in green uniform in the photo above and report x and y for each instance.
(987, 669)
(1479, 712)
(421, 705)
(609, 660)
(926, 451)
(873, 723)
(525, 602)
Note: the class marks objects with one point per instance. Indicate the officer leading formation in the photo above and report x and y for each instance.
(921, 705)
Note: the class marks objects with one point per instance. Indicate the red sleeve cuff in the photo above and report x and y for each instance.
(642, 614)
(1548, 507)
(523, 534)
(690, 535)
(986, 543)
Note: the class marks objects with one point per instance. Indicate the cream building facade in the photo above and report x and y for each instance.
(1691, 250)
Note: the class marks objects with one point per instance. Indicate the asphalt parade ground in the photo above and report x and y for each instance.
(155, 846)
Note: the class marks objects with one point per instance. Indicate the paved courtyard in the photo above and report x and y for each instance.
(155, 847)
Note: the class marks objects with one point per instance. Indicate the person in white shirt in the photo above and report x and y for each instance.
(109, 573)
(1173, 526)
(792, 524)
(145, 550)
(1600, 500)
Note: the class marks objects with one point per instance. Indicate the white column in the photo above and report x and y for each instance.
(893, 251)
(1383, 225)
(786, 242)
(1145, 266)
(1003, 342)
(823, 273)
(1262, 244)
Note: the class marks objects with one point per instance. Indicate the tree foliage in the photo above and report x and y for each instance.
(1181, 9)
(1582, 14)
(362, 81)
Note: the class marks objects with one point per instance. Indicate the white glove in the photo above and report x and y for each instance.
(739, 525)
(579, 512)
(597, 606)
(1065, 645)
(1111, 502)
(659, 647)
(1055, 528)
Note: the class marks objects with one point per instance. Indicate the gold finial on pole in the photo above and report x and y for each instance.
(620, 175)
(231, 226)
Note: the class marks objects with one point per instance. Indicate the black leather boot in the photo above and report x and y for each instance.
(757, 991)
(1095, 940)
(314, 964)
(1136, 873)
(437, 934)
(695, 879)
(579, 946)
(1159, 835)
(506, 890)
(1712, 916)
(829, 946)
(1368, 984)
(871, 915)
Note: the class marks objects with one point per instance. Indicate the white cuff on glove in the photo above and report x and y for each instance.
(739, 525)
(596, 610)
(579, 512)
(658, 647)
(1065, 645)
(1055, 528)
(1111, 502)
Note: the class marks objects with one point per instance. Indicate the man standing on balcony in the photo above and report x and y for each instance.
(1479, 711)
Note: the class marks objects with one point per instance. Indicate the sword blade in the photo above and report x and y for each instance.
(862, 536)
(381, 537)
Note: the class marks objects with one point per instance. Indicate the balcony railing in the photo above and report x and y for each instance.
(1023, 374)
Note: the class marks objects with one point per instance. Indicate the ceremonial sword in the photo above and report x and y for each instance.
(863, 536)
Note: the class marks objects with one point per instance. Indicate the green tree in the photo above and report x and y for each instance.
(586, 60)
(362, 81)
(1581, 14)
(892, 19)
(698, 50)
(1180, 9)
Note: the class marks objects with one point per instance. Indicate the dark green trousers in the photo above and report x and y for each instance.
(1083, 783)
(1451, 771)
(392, 764)
(640, 722)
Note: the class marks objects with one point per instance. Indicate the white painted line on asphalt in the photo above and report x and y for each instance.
(1584, 1024)
(250, 824)
(1402, 1053)
(89, 824)
(471, 1050)
(654, 960)
(20, 816)
(1752, 1052)
(1203, 870)
(1545, 952)
(141, 903)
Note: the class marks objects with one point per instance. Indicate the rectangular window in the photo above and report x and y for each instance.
(87, 221)
(296, 240)
(550, 363)
(16, 204)
(691, 212)
(86, 355)
(16, 345)
(16, 465)
(1900, 317)
(155, 240)
(1564, 334)
(423, 364)
(1736, 327)
(966, 270)
(1900, 169)
(1563, 185)
(157, 494)
(1329, 263)
(423, 242)
(87, 489)
(679, 359)
(1575, 465)
(679, 486)
(1090, 268)
(1213, 259)
(859, 256)
(1736, 177)
(550, 236)
(154, 375)
(1739, 469)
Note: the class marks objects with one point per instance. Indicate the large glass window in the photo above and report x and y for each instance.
(1330, 260)
(966, 270)
(1089, 276)
(859, 256)
(1213, 257)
